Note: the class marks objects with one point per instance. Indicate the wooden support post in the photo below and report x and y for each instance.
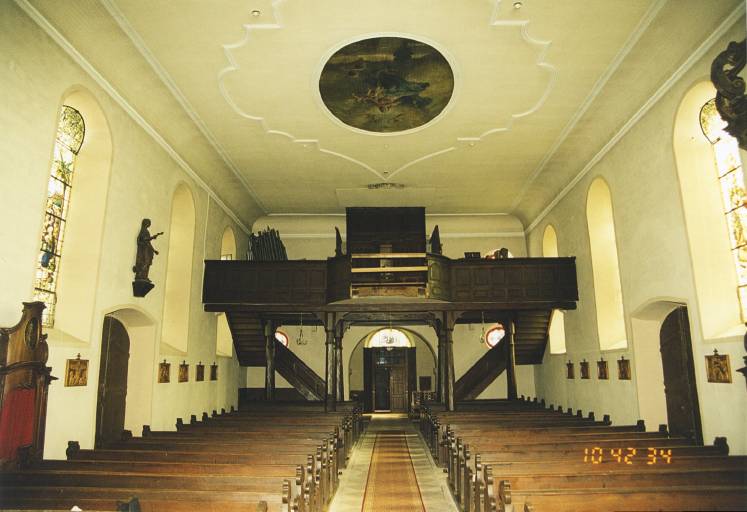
(269, 332)
(511, 361)
(331, 366)
(440, 365)
(448, 329)
(340, 388)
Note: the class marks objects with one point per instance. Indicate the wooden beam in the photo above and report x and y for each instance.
(511, 363)
(371, 270)
(387, 255)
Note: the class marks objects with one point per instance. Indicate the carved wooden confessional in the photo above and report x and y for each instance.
(24, 381)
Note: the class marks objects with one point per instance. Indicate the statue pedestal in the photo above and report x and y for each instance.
(141, 287)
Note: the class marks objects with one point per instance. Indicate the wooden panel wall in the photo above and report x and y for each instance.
(514, 279)
(277, 282)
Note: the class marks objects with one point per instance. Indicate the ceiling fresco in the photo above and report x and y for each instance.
(386, 84)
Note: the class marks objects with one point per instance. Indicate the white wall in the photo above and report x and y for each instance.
(36, 76)
(655, 266)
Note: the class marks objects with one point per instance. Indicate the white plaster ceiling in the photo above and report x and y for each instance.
(523, 78)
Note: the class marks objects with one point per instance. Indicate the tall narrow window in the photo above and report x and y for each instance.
(556, 332)
(70, 133)
(605, 267)
(224, 340)
(731, 182)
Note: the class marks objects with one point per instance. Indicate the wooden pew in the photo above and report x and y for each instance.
(285, 459)
(524, 460)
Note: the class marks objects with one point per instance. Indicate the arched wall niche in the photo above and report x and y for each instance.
(177, 294)
(79, 266)
(557, 323)
(605, 266)
(223, 338)
(707, 232)
(426, 358)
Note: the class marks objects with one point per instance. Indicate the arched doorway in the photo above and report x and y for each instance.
(683, 411)
(389, 370)
(112, 390)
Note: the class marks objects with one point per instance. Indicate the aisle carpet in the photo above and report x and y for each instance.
(392, 484)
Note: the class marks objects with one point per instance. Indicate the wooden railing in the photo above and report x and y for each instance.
(316, 283)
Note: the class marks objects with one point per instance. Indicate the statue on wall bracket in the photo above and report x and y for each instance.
(731, 101)
(144, 259)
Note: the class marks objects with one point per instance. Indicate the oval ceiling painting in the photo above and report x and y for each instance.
(386, 84)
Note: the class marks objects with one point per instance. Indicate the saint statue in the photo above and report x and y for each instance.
(145, 252)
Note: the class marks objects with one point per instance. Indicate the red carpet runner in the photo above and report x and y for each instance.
(391, 485)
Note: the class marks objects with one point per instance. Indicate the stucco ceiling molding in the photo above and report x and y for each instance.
(137, 41)
(694, 57)
(78, 58)
(231, 49)
(640, 29)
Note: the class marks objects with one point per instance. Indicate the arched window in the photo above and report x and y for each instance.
(228, 245)
(281, 337)
(715, 259)
(179, 270)
(605, 267)
(392, 338)
(730, 178)
(223, 339)
(70, 133)
(557, 320)
(494, 335)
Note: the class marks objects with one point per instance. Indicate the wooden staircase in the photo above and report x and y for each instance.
(248, 338)
(530, 340)
(482, 373)
(532, 328)
(249, 342)
(298, 374)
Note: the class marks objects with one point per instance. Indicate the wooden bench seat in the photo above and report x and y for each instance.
(172, 467)
(513, 457)
(684, 498)
(273, 459)
(151, 500)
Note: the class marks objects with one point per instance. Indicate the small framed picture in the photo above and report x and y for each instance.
(164, 372)
(183, 372)
(76, 372)
(623, 368)
(584, 369)
(200, 372)
(570, 372)
(718, 368)
(213, 371)
(602, 370)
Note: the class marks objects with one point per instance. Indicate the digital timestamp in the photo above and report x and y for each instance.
(597, 455)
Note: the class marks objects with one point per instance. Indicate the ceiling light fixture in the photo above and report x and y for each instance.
(518, 4)
(256, 13)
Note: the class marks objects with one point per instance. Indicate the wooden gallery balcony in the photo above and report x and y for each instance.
(465, 284)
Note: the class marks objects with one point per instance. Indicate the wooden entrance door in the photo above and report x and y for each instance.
(382, 401)
(398, 387)
(112, 392)
(683, 412)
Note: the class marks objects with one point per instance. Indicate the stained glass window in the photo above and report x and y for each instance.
(70, 133)
(731, 181)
